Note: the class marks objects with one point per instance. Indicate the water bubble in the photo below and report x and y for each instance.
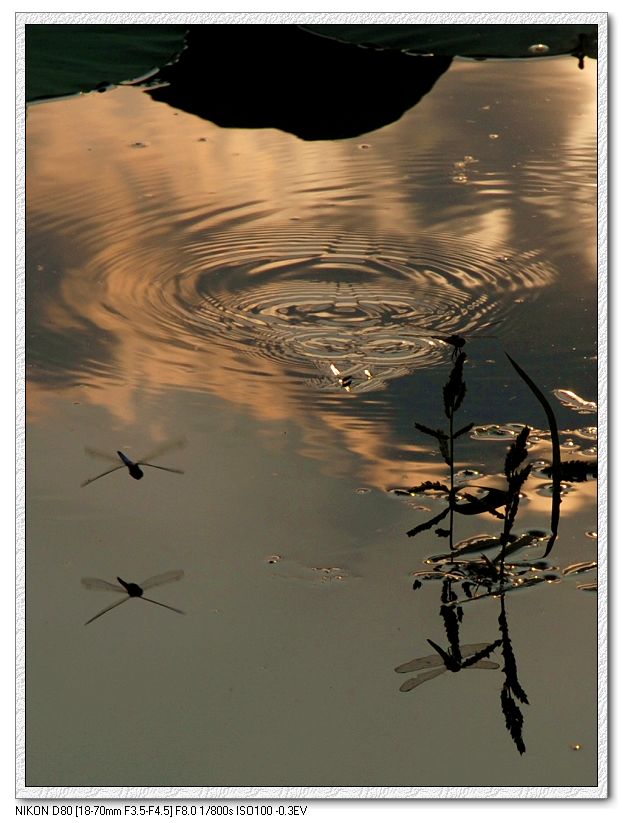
(547, 490)
(591, 534)
(364, 146)
(538, 48)
(587, 432)
(329, 573)
(493, 136)
(139, 145)
(362, 490)
(468, 473)
(273, 558)
(493, 431)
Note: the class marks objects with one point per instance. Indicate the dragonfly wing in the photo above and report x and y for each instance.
(484, 664)
(100, 585)
(164, 468)
(164, 605)
(107, 609)
(429, 662)
(163, 448)
(112, 458)
(472, 648)
(97, 477)
(161, 579)
(421, 678)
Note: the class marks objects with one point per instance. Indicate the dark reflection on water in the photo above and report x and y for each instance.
(341, 90)
(290, 307)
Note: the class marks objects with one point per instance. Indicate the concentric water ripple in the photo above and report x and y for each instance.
(367, 306)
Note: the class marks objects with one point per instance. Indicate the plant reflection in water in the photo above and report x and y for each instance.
(497, 575)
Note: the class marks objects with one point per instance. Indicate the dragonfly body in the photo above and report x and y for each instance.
(132, 590)
(135, 470)
(134, 467)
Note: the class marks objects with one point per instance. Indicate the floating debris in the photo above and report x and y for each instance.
(587, 432)
(496, 431)
(573, 401)
(580, 568)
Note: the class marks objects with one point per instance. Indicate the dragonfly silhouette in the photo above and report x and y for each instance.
(133, 466)
(458, 341)
(132, 589)
(436, 664)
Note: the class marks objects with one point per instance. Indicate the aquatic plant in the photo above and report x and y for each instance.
(497, 575)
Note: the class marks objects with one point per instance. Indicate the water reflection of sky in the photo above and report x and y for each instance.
(184, 279)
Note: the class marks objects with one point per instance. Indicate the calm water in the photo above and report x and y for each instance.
(188, 281)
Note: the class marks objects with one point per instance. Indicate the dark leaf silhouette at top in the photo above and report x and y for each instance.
(132, 589)
(133, 466)
(342, 90)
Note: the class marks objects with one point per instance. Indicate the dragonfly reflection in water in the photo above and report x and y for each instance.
(133, 467)
(132, 590)
(441, 662)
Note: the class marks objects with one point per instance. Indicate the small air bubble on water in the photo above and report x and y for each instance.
(538, 48)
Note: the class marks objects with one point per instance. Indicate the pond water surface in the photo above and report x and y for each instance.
(282, 306)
